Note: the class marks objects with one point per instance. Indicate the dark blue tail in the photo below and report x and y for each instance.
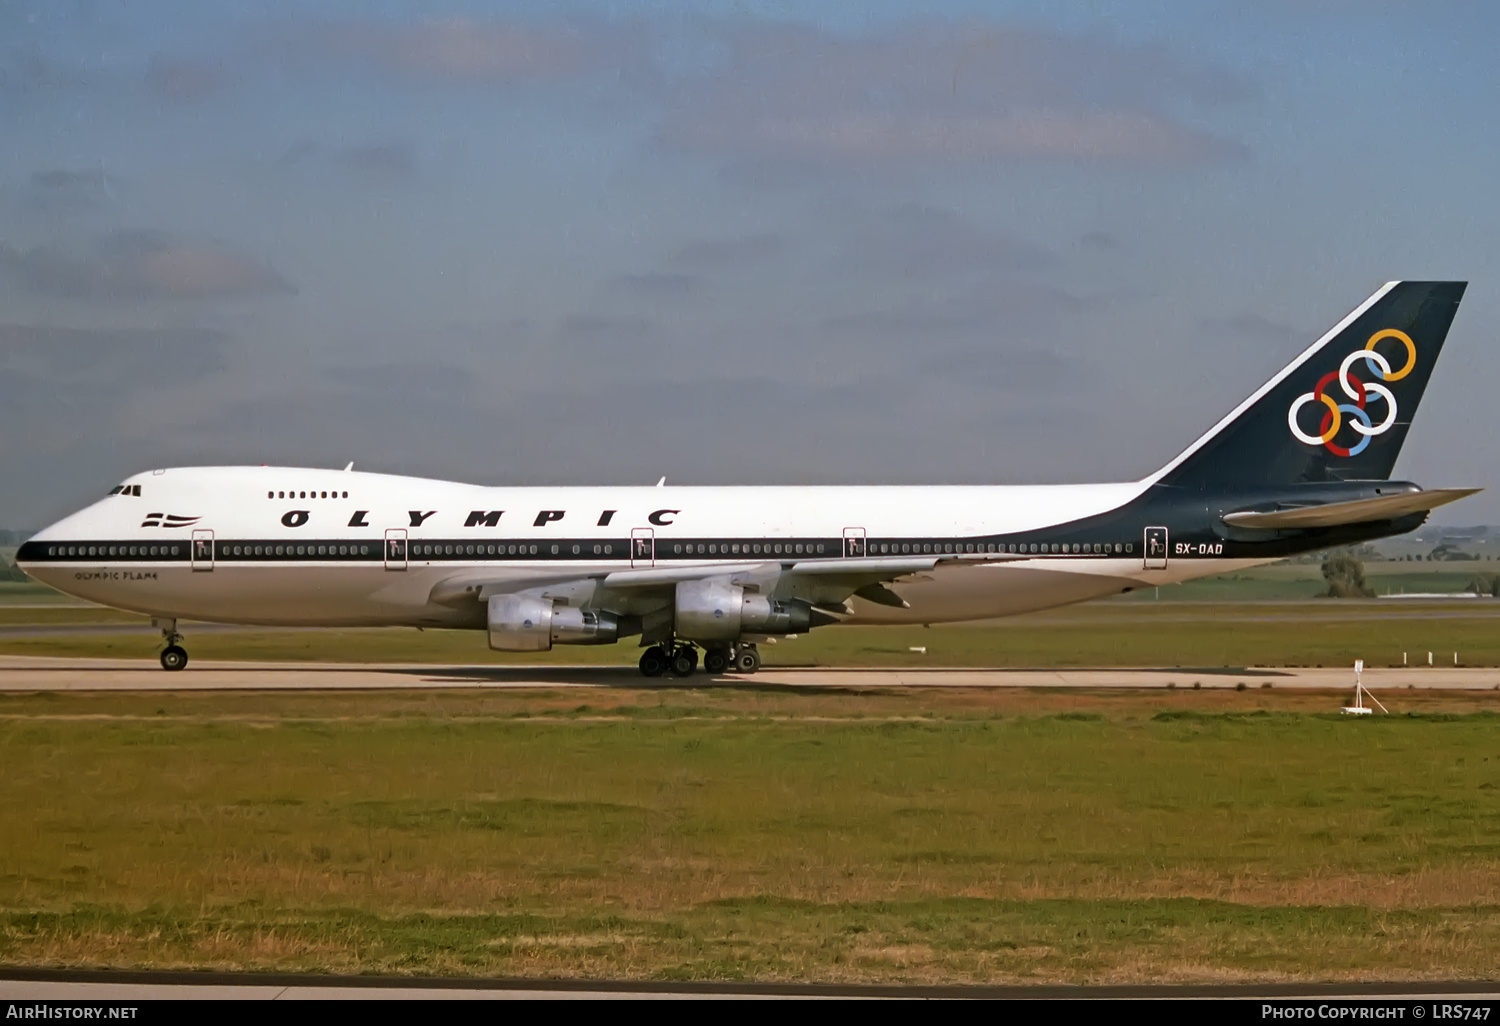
(1341, 410)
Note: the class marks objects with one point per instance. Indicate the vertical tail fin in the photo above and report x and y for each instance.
(1341, 410)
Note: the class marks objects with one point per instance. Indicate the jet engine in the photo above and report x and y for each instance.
(526, 623)
(710, 610)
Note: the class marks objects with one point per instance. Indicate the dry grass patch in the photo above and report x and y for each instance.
(934, 834)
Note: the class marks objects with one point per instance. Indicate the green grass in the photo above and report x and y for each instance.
(30, 592)
(1292, 582)
(1314, 633)
(743, 832)
(57, 613)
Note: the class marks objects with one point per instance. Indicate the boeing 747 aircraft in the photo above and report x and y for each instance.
(1302, 464)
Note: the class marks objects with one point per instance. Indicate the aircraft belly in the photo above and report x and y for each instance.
(1005, 589)
(370, 596)
(283, 596)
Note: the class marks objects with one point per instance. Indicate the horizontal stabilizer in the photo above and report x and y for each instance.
(1359, 511)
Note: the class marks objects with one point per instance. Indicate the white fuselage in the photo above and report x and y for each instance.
(300, 547)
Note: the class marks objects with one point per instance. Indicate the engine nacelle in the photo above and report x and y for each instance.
(719, 611)
(525, 623)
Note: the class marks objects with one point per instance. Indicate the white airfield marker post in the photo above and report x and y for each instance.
(1360, 692)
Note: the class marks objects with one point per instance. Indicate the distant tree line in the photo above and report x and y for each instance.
(1486, 584)
(8, 570)
(1346, 577)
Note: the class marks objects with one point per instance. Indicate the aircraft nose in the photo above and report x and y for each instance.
(40, 555)
(31, 559)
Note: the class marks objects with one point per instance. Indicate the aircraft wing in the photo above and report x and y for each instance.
(1357, 511)
(824, 581)
(828, 583)
(885, 568)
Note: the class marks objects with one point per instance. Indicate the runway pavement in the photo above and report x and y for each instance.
(39, 673)
(125, 985)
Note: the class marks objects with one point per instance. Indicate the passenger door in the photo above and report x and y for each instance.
(1156, 548)
(642, 547)
(395, 548)
(203, 550)
(854, 543)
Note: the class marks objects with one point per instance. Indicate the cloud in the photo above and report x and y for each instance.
(1250, 328)
(388, 420)
(959, 94)
(464, 49)
(64, 180)
(79, 407)
(996, 310)
(853, 135)
(604, 328)
(63, 189)
(656, 285)
(25, 69)
(1015, 370)
(914, 240)
(722, 254)
(182, 80)
(383, 159)
(141, 265)
(85, 364)
(297, 152)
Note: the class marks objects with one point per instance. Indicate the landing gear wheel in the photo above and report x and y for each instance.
(747, 659)
(684, 662)
(654, 661)
(173, 657)
(716, 660)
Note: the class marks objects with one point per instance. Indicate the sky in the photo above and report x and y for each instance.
(724, 242)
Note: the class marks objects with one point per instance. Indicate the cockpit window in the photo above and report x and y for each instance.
(117, 489)
(125, 489)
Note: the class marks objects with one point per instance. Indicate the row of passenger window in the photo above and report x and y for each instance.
(304, 495)
(430, 550)
(272, 551)
(63, 551)
(1097, 548)
(751, 549)
(422, 549)
(895, 548)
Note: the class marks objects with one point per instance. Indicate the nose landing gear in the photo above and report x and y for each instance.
(174, 657)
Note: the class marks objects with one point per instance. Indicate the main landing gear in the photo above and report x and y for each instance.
(681, 660)
(174, 656)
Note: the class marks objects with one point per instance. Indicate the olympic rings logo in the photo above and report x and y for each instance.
(1360, 392)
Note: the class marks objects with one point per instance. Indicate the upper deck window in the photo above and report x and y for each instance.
(319, 494)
